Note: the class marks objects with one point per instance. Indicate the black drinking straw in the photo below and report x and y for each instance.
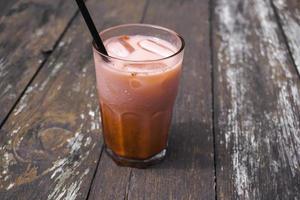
(88, 20)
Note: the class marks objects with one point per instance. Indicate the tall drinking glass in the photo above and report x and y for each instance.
(136, 97)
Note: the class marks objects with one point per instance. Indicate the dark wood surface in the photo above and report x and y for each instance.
(29, 32)
(236, 126)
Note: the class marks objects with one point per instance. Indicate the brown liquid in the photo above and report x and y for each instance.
(135, 135)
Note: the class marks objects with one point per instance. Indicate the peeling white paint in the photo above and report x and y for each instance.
(94, 119)
(241, 131)
(57, 167)
(20, 108)
(93, 126)
(23, 103)
(64, 174)
(67, 186)
(88, 141)
(16, 131)
(39, 32)
(92, 113)
(74, 188)
(43, 85)
(290, 131)
(53, 73)
(286, 122)
(6, 89)
(76, 143)
(97, 124)
(291, 27)
(10, 186)
(58, 87)
(82, 116)
(295, 94)
(6, 177)
(234, 49)
(84, 70)
(8, 160)
(61, 44)
(56, 68)
(276, 52)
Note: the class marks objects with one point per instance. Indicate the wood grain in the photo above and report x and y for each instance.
(29, 30)
(289, 17)
(257, 104)
(51, 143)
(111, 181)
(188, 171)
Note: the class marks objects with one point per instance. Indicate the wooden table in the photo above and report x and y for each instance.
(236, 124)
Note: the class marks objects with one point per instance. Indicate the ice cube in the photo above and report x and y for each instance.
(155, 47)
(120, 47)
(124, 40)
(115, 48)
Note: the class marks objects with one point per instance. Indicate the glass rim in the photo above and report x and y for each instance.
(141, 25)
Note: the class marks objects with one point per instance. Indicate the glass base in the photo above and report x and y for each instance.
(121, 161)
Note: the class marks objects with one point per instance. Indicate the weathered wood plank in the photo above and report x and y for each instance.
(27, 29)
(111, 181)
(51, 143)
(257, 104)
(188, 171)
(289, 15)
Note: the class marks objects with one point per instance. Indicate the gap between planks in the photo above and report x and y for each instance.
(95, 173)
(212, 64)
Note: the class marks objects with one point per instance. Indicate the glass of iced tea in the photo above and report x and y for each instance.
(137, 86)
